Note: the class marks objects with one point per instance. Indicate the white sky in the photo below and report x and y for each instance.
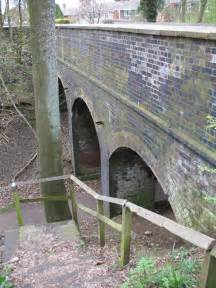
(69, 3)
(75, 3)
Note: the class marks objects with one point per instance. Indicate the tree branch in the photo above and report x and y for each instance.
(8, 95)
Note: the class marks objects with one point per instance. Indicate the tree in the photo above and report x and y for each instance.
(19, 5)
(45, 81)
(203, 4)
(91, 10)
(149, 9)
(58, 12)
(7, 12)
(1, 17)
(210, 13)
(183, 9)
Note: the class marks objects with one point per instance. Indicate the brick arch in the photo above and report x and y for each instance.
(86, 144)
(138, 169)
(132, 141)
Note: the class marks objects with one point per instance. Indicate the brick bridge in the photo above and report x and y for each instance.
(139, 101)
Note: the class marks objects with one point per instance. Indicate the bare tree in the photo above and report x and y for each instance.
(8, 13)
(45, 81)
(183, 9)
(1, 17)
(21, 36)
(203, 4)
(91, 10)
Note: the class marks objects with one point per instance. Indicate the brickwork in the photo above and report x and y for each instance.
(132, 179)
(153, 95)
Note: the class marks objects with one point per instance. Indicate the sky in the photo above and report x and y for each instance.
(69, 3)
(75, 3)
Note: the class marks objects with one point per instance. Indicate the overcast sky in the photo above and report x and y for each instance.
(75, 3)
(69, 3)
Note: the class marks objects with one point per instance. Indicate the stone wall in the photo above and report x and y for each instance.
(154, 95)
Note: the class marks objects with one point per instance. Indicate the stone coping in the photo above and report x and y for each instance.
(173, 30)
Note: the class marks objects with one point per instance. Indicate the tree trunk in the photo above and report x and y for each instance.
(1, 17)
(203, 4)
(20, 32)
(42, 20)
(183, 10)
(9, 20)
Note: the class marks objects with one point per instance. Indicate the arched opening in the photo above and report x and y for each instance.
(132, 179)
(85, 141)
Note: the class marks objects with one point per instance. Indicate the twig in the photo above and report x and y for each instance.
(27, 164)
(15, 106)
(4, 137)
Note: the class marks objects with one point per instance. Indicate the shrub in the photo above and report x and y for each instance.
(178, 271)
(5, 283)
(62, 21)
(108, 21)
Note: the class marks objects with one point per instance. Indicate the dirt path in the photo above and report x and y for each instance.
(54, 256)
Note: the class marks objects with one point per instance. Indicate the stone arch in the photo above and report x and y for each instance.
(132, 173)
(85, 140)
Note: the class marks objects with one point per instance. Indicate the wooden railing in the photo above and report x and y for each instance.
(208, 273)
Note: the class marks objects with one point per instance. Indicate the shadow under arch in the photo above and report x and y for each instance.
(85, 141)
(132, 177)
(62, 96)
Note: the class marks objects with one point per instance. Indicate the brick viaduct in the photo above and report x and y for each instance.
(140, 100)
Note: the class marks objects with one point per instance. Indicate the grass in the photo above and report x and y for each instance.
(177, 270)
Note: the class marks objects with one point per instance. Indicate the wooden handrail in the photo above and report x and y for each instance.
(101, 217)
(208, 277)
(97, 196)
(194, 237)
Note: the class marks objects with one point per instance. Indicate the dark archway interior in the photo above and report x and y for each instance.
(62, 97)
(85, 141)
(132, 179)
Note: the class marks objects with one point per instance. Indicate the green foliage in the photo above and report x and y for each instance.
(58, 12)
(4, 278)
(178, 271)
(149, 9)
(211, 122)
(62, 21)
(210, 12)
(207, 169)
(210, 200)
(5, 283)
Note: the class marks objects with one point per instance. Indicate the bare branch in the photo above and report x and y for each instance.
(91, 10)
(8, 95)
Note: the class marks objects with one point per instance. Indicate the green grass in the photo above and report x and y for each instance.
(177, 270)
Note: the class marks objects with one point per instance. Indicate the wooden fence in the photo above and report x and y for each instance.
(208, 273)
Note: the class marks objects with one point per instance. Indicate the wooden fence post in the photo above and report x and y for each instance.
(208, 275)
(126, 235)
(74, 205)
(101, 225)
(17, 205)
